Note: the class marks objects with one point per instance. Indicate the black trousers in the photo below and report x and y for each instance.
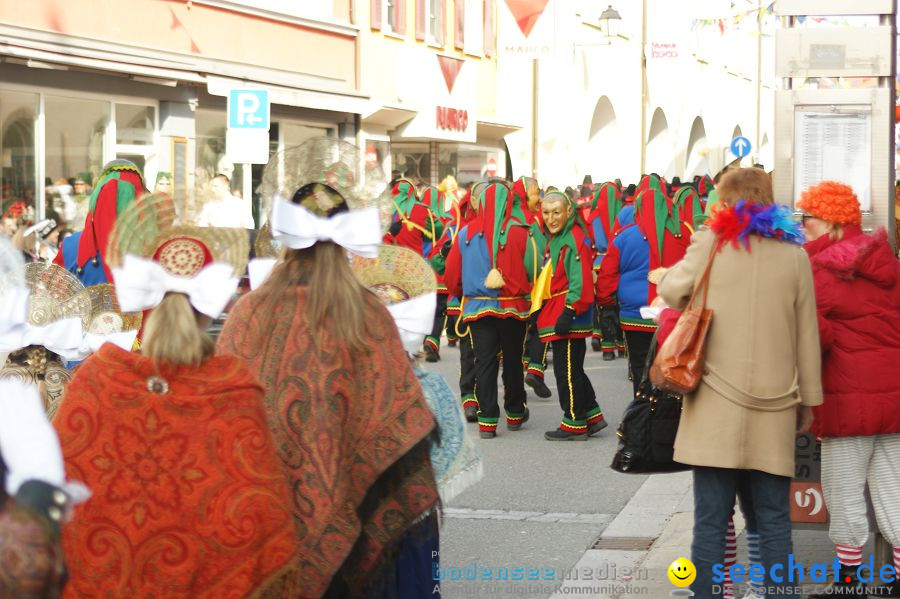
(638, 343)
(489, 336)
(576, 394)
(440, 319)
(467, 369)
(607, 319)
(535, 350)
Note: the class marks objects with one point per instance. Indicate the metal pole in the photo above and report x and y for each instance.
(534, 118)
(759, 20)
(643, 86)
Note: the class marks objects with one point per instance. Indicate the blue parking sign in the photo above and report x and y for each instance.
(248, 109)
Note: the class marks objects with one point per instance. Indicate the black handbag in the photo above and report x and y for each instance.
(648, 428)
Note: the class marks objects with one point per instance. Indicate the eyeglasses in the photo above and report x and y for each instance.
(804, 218)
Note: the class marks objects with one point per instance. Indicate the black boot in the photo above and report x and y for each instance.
(538, 384)
(431, 355)
(609, 356)
(595, 344)
(890, 590)
(471, 413)
(847, 585)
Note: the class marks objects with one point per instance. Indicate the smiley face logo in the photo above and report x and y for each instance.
(682, 572)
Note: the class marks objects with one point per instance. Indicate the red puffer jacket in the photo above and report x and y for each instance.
(858, 299)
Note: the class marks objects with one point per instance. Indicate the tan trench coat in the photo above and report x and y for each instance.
(763, 356)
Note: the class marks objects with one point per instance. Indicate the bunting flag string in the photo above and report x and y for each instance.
(736, 21)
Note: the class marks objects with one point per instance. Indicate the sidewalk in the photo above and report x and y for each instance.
(662, 510)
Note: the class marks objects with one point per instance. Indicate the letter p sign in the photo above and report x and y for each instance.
(248, 109)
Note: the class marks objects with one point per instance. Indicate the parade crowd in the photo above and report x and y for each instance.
(306, 451)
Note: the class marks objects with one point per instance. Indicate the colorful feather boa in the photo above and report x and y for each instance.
(735, 224)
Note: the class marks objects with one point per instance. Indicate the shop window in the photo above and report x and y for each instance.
(135, 125)
(412, 161)
(74, 142)
(17, 157)
(295, 133)
(378, 153)
(211, 159)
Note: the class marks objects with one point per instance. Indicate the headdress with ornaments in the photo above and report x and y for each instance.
(153, 252)
(323, 191)
(406, 285)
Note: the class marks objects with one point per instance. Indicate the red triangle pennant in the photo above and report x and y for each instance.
(450, 68)
(526, 13)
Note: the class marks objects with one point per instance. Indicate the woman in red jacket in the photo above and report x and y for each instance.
(857, 281)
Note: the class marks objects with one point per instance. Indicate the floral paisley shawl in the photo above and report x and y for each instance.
(188, 497)
(351, 435)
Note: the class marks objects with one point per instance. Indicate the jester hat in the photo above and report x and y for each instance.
(653, 215)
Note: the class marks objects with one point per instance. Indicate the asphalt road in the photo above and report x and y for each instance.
(541, 503)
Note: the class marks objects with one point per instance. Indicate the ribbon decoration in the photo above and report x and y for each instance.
(259, 270)
(296, 227)
(142, 284)
(13, 308)
(63, 337)
(124, 340)
(415, 319)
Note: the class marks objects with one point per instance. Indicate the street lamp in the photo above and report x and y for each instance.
(610, 14)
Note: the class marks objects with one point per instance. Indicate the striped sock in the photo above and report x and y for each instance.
(754, 558)
(849, 555)
(730, 560)
(897, 561)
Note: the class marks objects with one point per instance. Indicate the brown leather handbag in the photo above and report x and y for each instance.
(678, 366)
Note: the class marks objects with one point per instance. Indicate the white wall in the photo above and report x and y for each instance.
(713, 79)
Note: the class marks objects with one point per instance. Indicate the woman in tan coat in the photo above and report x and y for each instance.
(762, 370)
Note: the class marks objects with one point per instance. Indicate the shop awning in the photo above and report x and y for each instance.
(47, 58)
(389, 117)
(495, 130)
(286, 96)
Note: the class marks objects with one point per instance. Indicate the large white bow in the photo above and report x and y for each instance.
(296, 227)
(141, 284)
(13, 308)
(63, 337)
(259, 270)
(415, 319)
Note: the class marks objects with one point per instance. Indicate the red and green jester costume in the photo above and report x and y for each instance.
(118, 186)
(564, 294)
(535, 359)
(687, 204)
(437, 256)
(495, 242)
(413, 224)
(608, 202)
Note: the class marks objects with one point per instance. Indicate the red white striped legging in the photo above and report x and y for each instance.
(848, 464)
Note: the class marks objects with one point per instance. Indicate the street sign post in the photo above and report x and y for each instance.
(247, 136)
(740, 146)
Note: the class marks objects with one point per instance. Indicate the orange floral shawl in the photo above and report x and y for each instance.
(350, 432)
(188, 497)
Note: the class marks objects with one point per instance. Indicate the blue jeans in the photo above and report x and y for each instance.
(714, 493)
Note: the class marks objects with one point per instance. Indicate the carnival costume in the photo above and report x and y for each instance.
(180, 514)
(608, 203)
(351, 428)
(650, 240)
(492, 267)
(564, 294)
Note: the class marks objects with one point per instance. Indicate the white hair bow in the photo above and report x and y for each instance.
(357, 231)
(141, 284)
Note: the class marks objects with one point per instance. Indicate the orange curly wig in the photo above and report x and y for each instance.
(832, 202)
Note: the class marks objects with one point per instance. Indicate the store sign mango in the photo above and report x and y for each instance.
(452, 119)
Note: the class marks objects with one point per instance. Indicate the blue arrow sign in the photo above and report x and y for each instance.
(740, 146)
